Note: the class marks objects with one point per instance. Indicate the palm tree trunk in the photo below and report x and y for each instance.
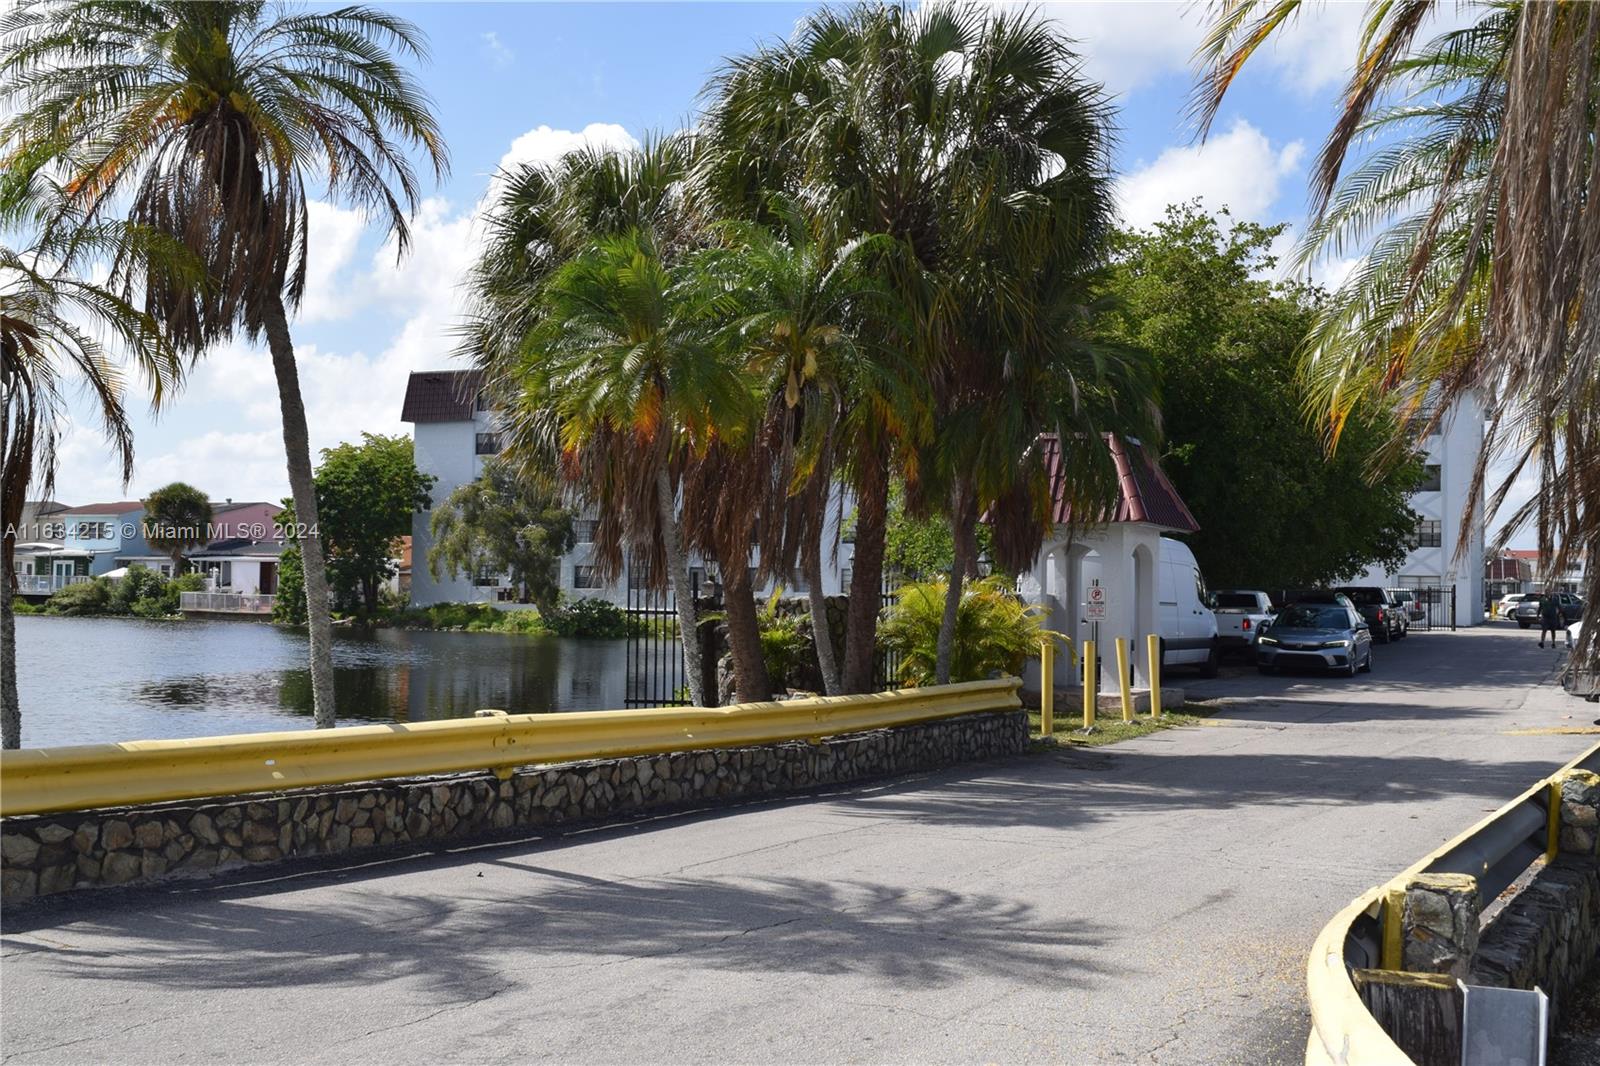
(963, 520)
(821, 633)
(10, 703)
(297, 446)
(751, 681)
(866, 578)
(682, 591)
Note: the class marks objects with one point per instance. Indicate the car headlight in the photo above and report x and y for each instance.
(1264, 639)
(1337, 643)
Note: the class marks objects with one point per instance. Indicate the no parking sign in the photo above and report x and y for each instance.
(1097, 603)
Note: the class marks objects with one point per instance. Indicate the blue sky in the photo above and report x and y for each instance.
(528, 81)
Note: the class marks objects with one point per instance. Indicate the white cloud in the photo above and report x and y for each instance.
(332, 236)
(543, 144)
(499, 55)
(1240, 170)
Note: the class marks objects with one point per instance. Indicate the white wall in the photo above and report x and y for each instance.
(1455, 450)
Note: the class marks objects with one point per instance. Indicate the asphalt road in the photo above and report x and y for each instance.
(1151, 902)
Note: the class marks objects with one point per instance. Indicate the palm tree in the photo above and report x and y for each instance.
(207, 121)
(51, 323)
(176, 518)
(1476, 214)
(793, 321)
(623, 379)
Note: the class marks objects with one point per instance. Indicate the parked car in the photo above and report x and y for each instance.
(1241, 616)
(1407, 601)
(1386, 618)
(1506, 607)
(1330, 636)
(1183, 608)
(1526, 613)
(1292, 596)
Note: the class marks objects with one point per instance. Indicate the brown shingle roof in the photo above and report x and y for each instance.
(1146, 494)
(441, 396)
(118, 507)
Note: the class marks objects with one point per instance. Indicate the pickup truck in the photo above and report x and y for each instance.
(1387, 619)
(1241, 613)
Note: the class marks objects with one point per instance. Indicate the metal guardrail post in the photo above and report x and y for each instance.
(1393, 919)
(1091, 674)
(1152, 662)
(1047, 688)
(1122, 679)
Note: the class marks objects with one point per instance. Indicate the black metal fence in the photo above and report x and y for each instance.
(1433, 609)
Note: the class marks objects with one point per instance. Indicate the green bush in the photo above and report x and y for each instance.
(588, 618)
(995, 631)
(785, 646)
(289, 605)
(88, 597)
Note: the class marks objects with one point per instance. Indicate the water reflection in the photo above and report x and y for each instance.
(89, 680)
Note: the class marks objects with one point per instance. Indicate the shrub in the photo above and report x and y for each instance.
(588, 618)
(995, 631)
(88, 597)
(289, 605)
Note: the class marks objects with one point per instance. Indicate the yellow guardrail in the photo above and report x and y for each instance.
(37, 780)
(1343, 1031)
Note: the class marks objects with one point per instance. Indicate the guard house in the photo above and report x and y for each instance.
(1121, 556)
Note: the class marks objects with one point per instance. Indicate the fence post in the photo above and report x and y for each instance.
(1122, 679)
(1091, 673)
(1152, 661)
(1047, 689)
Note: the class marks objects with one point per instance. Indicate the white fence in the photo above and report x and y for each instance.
(226, 602)
(43, 584)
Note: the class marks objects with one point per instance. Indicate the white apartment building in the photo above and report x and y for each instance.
(1440, 501)
(454, 435)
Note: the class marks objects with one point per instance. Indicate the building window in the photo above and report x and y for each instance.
(638, 577)
(585, 530)
(485, 577)
(488, 443)
(585, 577)
(1429, 533)
(1432, 479)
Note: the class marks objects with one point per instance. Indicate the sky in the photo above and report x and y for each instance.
(524, 82)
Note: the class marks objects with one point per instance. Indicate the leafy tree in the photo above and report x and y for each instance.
(505, 523)
(177, 518)
(289, 605)
(366, 496)
(207, 122)
(1274, 510)
(919, 548)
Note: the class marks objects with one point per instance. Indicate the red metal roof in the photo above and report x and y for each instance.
(1146, 494)
(441, 396)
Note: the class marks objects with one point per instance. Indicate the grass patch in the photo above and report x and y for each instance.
(1111, 729)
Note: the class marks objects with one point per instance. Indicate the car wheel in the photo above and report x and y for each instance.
(1350, 668)
(1213, 661)
(1523, 624)
(1366, 667)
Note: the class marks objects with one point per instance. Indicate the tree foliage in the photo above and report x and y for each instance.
(366, 496)
(504, 522)
(1274, 510)
(176, 520)
(995, 631)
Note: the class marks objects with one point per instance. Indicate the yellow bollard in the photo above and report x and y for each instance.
(1047, 689)
(1090, 673)
(1153, 667)
(1122, 679)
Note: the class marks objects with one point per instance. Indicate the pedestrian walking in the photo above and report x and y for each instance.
(1549, 617)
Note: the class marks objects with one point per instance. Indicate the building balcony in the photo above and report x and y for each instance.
(225, 603)
(45, 584)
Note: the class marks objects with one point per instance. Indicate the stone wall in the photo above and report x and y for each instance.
(1547, 936)
(50, 853)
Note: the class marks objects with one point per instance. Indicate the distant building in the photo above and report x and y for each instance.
(1439, 501)
(1507, 573)
(1540, 572)
(454, 435)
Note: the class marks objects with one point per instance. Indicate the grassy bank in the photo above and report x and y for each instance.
(1112, 729)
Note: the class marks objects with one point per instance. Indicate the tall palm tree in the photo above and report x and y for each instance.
(208, 120)
(1476, 215)
(623, 380)
(58, 331)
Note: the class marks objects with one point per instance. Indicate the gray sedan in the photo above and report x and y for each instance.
(1328, 636)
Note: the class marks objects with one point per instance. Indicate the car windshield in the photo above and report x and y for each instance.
(1364, 597)
(1312, 616)
(1236, 599)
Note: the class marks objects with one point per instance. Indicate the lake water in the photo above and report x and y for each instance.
(92, 680)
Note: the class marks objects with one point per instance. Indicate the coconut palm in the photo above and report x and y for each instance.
(1481, 273)
(60, 331)
(208, 121)
(623, 378)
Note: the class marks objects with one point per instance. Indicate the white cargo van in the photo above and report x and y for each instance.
(1183, 611)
